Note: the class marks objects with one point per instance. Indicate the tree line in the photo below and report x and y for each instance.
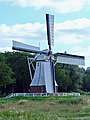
(14, 75)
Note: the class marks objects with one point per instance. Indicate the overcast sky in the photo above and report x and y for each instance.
(24, 21)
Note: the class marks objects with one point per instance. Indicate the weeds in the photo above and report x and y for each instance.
(45, 108)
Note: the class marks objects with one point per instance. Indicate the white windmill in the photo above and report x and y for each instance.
(44, 77)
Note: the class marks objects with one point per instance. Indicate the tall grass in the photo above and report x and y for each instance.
(45, 108)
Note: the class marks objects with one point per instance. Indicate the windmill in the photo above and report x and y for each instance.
(44, 76)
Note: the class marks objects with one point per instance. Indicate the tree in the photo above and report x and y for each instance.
(86, 80)
(86, 83)
(69, 77)
(5, 73)
(62, 79)
(87, 71)
(19, 65)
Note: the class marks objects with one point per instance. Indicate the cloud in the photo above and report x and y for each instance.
(74, 24)
(22, 31)
(61, 6)
(68, 32)
(74, 31)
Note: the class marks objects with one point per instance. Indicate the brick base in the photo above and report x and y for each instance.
(37, 89)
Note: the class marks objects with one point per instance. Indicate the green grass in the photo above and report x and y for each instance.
(45, 108)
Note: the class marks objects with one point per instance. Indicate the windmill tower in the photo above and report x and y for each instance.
(44, 76)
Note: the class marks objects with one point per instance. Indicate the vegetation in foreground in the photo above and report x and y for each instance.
(45, 108)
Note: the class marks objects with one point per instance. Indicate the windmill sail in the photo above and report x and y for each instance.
(70, 59)
(50, 29)
(24, 47)
(50, 37)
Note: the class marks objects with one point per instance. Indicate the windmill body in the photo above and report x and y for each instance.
(43, 76)
(43, 80)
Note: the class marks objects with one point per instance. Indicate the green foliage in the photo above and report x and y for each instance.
(61, 99)
(18, 63)
(86, 80)
(69, 77)
(62, 79)
(5, 72)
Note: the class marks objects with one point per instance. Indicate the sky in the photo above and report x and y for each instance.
(24, 21)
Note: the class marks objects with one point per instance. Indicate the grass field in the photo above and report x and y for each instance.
(45, 108)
